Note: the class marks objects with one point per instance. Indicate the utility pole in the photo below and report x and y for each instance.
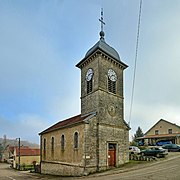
(19, 154)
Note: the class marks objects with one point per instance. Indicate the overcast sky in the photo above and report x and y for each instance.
(41, 41)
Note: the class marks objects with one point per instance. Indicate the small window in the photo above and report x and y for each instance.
(52, 143)
(170, 131)
(89, 86)
(62, 142)
(111, 86)
(156, 132)
(76, 139)
(112, 146)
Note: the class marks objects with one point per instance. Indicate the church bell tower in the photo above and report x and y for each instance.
(102, 82)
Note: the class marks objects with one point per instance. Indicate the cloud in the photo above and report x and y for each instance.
(146, 115)
(26, 126)
(42, 41)
(157, 76)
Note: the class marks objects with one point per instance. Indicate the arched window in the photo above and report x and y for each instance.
(52, 143)
(89, 77)
(44, 144)
(111, 86)
(76, 140)
(62, 142)
(89, 86)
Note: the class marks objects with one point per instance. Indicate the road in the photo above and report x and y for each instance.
(165, 170)
(162, 170)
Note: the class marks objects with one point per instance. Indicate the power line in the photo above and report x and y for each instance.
(135, 62)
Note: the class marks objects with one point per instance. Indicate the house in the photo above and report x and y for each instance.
(98, 138)
(25, 156)
(7, 153)
(163, 130)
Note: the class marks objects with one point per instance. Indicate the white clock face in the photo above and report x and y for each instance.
(112, 75)
(89, 74)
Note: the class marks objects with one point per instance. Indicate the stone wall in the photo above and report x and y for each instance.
(63, 169)
(69, 154)
(118, 136)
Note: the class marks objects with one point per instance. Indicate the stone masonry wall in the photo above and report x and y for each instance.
(69, 155)
(108, 134)
(57, 168)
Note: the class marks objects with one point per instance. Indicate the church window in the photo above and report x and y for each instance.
(52, 143)
(89, 86)
(111, 86)
(44, 144)
(44, 147)
(76, 139)
(62, 142)
(89, 80)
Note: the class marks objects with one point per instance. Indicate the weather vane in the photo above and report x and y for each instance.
(101, 20)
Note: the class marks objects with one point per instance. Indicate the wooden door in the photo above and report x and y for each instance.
(112, 155)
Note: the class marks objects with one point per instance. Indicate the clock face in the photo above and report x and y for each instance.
(112, 75)
(89, 74)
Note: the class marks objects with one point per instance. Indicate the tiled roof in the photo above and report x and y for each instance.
(159, 136)
(64, 123)
(27, 151)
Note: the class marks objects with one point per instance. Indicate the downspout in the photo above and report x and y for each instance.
(84, 148)
(97, 148)
(40, 152)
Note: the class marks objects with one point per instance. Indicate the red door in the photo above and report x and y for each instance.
(112, 155)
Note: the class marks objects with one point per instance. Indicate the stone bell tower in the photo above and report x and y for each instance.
(102, 94)
(102, 83)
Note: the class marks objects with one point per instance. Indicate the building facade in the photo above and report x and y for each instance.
(98, 138)
(163, 130)
(25, 156)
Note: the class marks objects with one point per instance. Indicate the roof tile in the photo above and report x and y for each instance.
(66, 122)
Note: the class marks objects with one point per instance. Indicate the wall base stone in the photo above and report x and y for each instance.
(61, 169)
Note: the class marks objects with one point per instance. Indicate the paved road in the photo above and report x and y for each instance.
(162, 170)
(165, 170)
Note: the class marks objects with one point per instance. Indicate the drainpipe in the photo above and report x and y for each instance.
(85, 147)
(40, 152)
(97, 148)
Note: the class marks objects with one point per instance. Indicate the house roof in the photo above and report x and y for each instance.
(159, 136)
(164, 121)
(67, 122)
(27, 151)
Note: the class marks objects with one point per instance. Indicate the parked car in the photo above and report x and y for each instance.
(163, 142)
(10, 160)
(154, 151)
(172, 147)
(134, 150)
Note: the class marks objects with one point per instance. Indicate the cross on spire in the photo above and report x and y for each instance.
(102, 23)
(101, 20)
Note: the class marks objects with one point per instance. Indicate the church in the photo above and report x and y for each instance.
(98, 138)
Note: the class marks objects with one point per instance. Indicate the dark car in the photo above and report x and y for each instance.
(163, 142)
(172, 147)
(154, 151)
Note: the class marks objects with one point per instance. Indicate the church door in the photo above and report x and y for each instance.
(112, 154)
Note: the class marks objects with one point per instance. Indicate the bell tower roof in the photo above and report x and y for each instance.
(102, 45)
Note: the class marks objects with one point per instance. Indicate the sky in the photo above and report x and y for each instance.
(41, 41)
